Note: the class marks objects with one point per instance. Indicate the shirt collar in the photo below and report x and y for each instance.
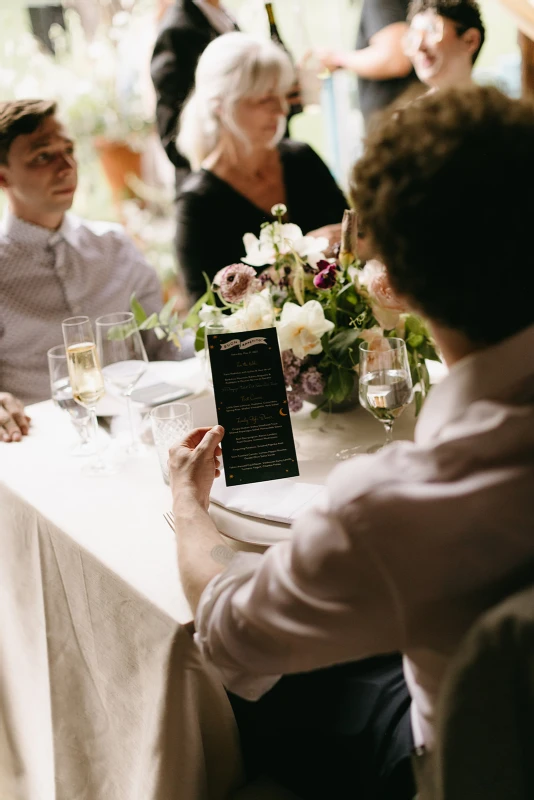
(17, 230)
(495, 373)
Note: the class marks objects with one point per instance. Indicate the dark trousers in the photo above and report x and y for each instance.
(340, 732)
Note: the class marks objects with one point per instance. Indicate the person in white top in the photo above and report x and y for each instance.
(443, 41)
(53, 264)
(417, 540)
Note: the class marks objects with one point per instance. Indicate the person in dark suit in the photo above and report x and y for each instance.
(187, 28)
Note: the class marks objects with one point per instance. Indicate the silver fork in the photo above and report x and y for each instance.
(169, 519)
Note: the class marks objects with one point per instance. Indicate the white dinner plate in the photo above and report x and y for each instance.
(249, 530)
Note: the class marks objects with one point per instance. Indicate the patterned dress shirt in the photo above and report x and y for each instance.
(413, 545)
(84, 268)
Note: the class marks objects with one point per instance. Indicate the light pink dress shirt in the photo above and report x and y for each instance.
(417, 540)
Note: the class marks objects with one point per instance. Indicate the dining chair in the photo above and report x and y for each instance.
(484, 747)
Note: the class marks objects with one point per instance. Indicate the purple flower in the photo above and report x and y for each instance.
(326, 278)
(289, 359)
(294, 400)
(312, 382)
(291, 366)
(236, 281)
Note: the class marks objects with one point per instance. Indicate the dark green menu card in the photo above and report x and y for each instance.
(251, 402)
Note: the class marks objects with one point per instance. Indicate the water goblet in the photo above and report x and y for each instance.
(385, 388)
(170, 423)
(86, 379)
(124, 361)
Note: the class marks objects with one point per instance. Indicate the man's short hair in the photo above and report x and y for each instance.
(444, 190)
(465, 13)
(18, 117)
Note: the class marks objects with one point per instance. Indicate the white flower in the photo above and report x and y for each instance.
(287, 238)
(300, 328)
(256, 314)
(209, 314)
(278, 209)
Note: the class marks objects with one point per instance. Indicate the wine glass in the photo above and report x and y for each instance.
(61, 391)
(386, 388)
(86, 379)
(124, 360)
(213, 328)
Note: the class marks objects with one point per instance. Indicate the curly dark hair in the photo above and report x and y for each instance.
(19, 117)
(445, 192)
(465, 13)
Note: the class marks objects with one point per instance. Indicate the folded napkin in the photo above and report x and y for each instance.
(279, 501)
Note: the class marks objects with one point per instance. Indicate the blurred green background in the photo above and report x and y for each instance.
(100, 77)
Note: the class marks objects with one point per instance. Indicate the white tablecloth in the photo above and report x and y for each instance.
(102, 693)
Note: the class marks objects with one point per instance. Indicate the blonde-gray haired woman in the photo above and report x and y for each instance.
(231, 130)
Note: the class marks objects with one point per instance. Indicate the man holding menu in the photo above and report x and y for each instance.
(420, 538)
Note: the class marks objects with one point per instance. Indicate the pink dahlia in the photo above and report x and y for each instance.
(236, 281)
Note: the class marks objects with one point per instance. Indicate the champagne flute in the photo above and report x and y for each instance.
(386, 388)
(124, 360)
(86, 378)
(61, 392)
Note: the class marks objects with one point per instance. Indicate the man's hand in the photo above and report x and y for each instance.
(14, 423)
(329, 59)
(195, 463)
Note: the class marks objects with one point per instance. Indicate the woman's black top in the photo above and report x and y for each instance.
(213, 217)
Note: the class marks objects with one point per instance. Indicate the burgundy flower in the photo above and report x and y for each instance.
(327, 276)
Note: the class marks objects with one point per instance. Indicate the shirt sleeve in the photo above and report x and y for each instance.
(173, 65)
(329, 202)
(201, 239)
(320, 598)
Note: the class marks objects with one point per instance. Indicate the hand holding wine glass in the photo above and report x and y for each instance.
(124, 360)
(386, 387)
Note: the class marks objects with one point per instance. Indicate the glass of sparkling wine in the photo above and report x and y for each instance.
(61, 391)
(386, 388)
(86, 378)
(124, 360)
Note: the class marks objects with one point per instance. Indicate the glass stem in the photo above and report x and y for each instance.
(133, 432)
(85, 430)
(388, 427)
(98, 461)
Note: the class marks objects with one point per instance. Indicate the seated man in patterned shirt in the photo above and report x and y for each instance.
(54, 265)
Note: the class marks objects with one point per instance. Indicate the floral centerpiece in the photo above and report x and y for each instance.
(322, 307)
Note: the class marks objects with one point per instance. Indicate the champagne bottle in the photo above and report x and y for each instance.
(294, 107)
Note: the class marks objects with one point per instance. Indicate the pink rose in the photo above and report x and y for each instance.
(387, 306)
(377, 344)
